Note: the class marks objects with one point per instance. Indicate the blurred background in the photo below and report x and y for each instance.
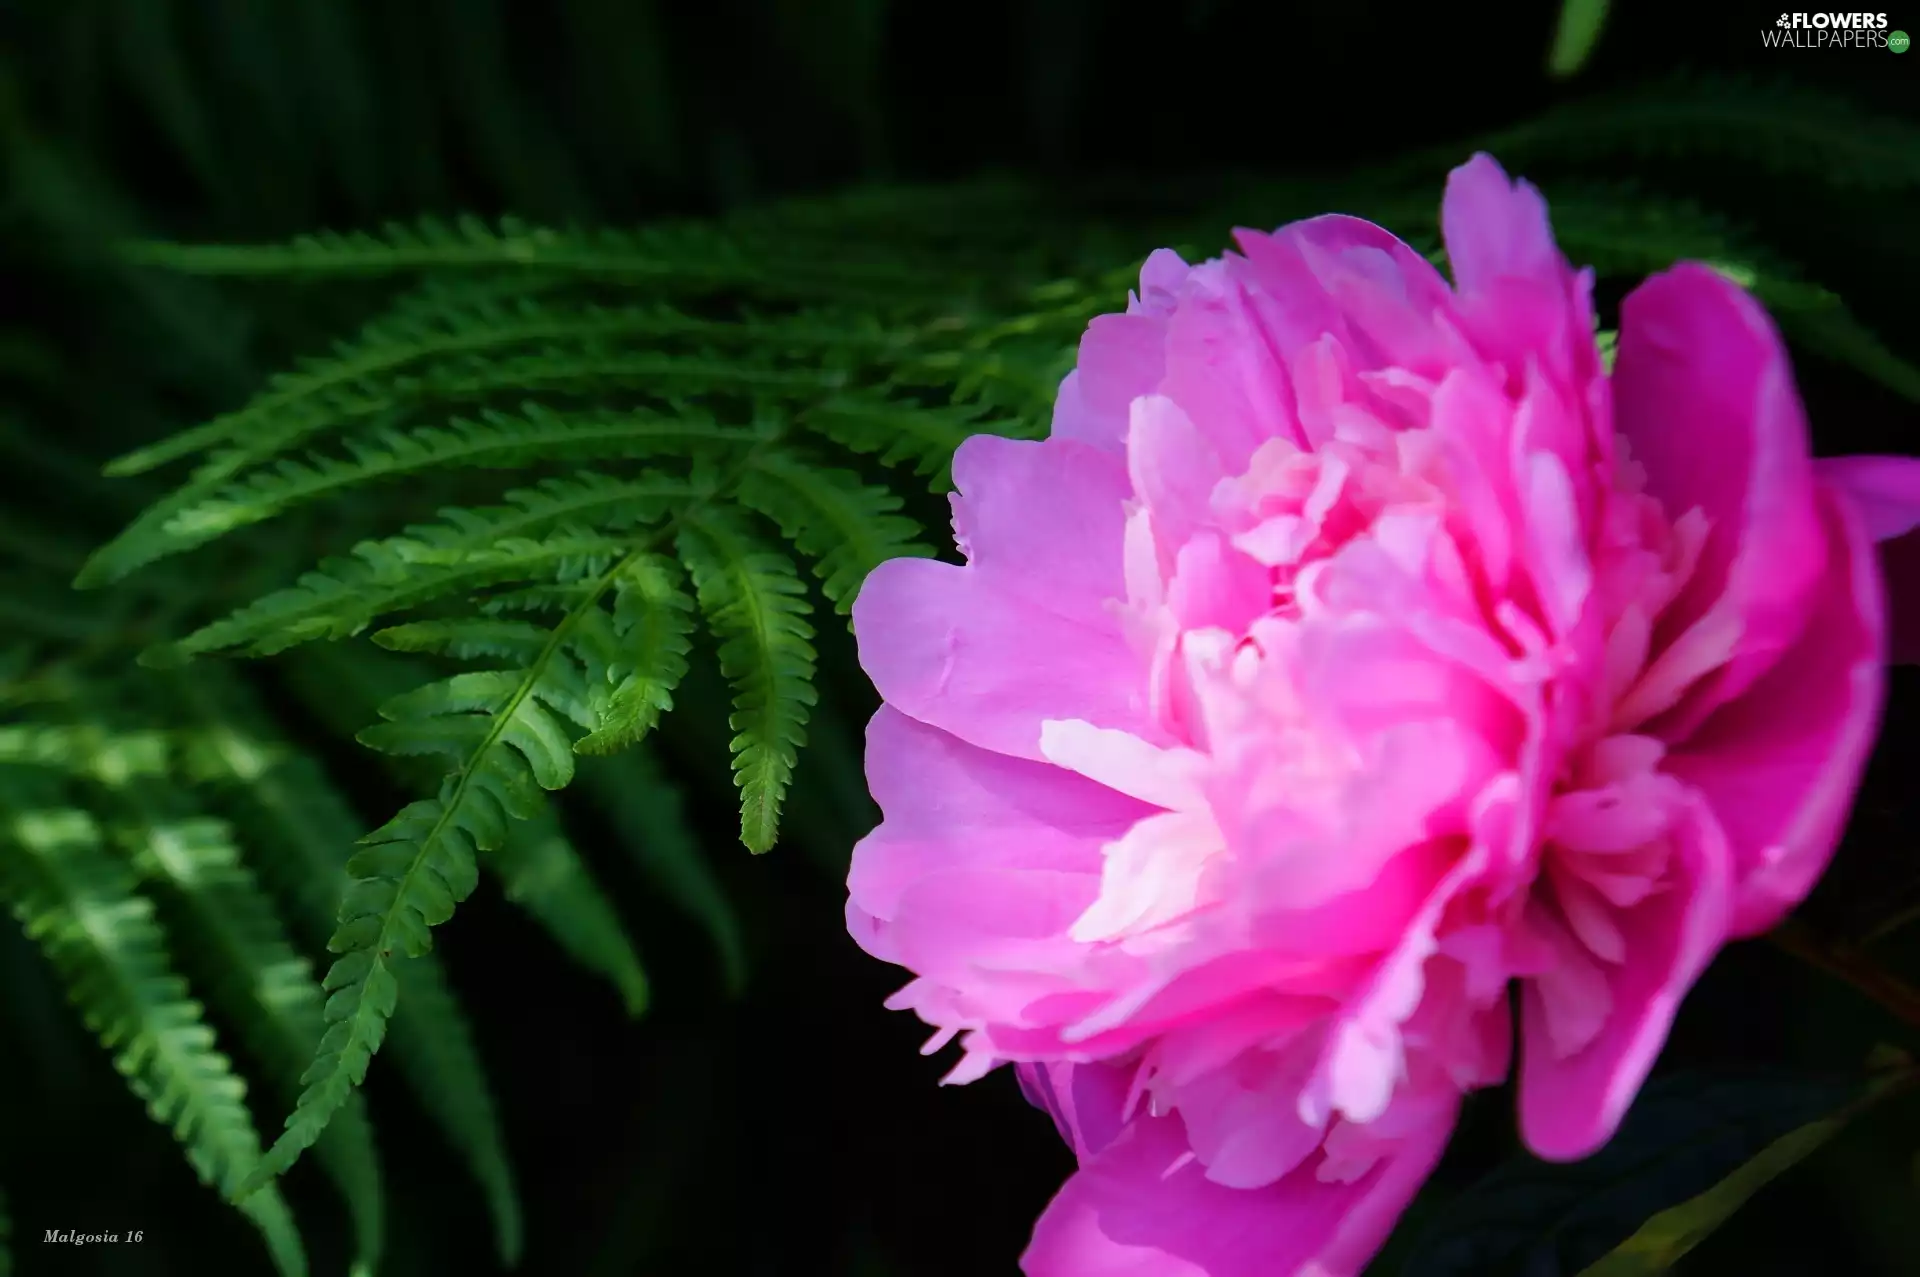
(765, 1115)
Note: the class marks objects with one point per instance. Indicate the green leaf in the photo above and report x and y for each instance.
(1660, 1243)
(284, 800)
(82, 906)
(644, 651)
(1683, 1135)
(756, 606)
(1579, 30)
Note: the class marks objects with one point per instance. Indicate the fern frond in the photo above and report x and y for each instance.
(267, 991)
(198, 514)
(416, 353)
(900, 432)
(755, 604)
(847, 527)
(84, 909)
(504, 729)
(524, 539)
(284, 799)
(643, 650)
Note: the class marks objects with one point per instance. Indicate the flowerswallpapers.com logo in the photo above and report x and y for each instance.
(1833, 31)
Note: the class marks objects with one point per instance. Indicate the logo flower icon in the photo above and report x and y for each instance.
(1783, 21)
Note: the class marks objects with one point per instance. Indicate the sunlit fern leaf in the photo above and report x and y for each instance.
(847, 527)
(543, 874)
(267, 991)
(82, 907)
(284, 800)
(644, 654)
(533, 535)
(199, 513)
(755, 604)
(645, 810)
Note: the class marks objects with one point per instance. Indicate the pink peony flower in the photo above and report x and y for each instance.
(1353, 647)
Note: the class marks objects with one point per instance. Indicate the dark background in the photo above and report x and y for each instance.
(794, 1130)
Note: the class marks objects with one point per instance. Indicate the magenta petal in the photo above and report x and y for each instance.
(1571, 1106)
(950, 806)
(1703, 395)
(1045, 520)
(1780, 765)
(1495, 228)
(1142, 1207)
(1085, 1101)
(1885, 490)
(958, 651)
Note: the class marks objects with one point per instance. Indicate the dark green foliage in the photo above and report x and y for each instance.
(555, 515)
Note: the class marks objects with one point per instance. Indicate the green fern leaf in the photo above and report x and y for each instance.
(505, 731)
(204, 511)
(265, 989)
(901, 433)
(84, 909)
(288, 803)
(528, 538)
(755, 604)
(845, 526)
(644, 653)
(485, 338)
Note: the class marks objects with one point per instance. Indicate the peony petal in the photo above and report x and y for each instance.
(1571, 1104)
(1143, 1207)
(1085, 1101)
(1780, 766)
(1044, 520)
(959, 651)
(1495, 228)
(1885, 490)
(949, 805)
(1705, 399)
